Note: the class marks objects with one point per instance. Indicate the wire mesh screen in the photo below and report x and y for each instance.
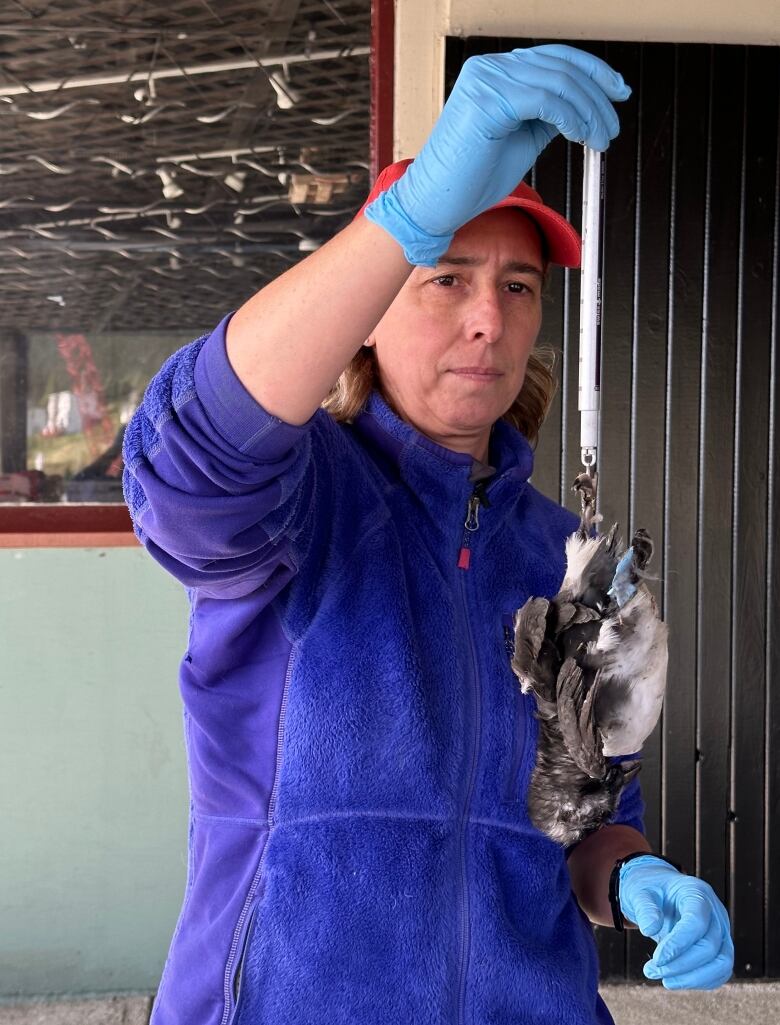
(159, 163)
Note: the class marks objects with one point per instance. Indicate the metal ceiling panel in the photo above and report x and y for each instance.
(160, 162)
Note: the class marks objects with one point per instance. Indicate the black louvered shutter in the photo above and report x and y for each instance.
(689, 447)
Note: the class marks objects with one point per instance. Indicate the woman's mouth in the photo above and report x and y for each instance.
(484, 374)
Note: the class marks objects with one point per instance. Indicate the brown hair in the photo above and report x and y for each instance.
(526, 413)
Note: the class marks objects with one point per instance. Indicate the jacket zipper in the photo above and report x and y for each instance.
(241, 935)
(471, 525)
(239, 971)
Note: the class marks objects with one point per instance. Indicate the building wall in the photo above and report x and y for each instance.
(93, 802)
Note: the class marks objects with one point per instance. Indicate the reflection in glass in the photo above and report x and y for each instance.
(66, 399)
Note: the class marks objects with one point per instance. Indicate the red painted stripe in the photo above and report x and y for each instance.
(30, 518)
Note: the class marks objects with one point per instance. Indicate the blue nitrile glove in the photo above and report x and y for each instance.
(502, 112)
(685, 918)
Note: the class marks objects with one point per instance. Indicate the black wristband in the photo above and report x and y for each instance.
(614, 883)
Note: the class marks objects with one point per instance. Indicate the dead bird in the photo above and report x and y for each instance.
(595, 658)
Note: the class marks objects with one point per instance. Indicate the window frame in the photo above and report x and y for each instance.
(32, 525)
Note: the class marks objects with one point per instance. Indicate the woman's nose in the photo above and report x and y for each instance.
(485, 317)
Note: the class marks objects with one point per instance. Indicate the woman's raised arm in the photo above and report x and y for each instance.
(289, 343)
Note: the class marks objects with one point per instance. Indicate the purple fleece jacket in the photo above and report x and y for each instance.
(359, 749)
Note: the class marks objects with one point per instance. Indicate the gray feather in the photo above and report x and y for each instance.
(575, 718)
(530, 632)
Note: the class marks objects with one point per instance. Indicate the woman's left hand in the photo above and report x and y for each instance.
(685, 918)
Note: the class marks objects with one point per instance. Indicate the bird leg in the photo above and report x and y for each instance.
(587, 485)
(642, 545)
(631, 569)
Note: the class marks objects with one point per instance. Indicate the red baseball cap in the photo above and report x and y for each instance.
(563, 242)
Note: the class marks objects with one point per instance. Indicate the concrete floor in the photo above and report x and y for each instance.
(739, 1003)
(755, 1003)
(121, 1010)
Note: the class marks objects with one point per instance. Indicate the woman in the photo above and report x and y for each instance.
(360, 850)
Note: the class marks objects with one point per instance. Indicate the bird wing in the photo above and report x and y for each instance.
(565, 613)
(584, 614)
(530, 630)
(576, 719)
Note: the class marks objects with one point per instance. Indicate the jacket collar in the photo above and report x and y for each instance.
(438, 475)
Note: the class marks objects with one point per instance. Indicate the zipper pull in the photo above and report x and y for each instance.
(471, 525)
(472, 514)
(480, 490)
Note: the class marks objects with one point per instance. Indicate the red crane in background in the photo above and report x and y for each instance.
(101, 437)
(87, 386)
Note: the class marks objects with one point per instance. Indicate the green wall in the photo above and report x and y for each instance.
(93, 802)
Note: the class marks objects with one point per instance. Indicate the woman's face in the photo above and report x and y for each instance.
(452, 349)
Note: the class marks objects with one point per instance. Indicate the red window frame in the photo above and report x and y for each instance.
(65, 526)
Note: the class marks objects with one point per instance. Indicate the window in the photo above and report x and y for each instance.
(159, 165)
(66, 399)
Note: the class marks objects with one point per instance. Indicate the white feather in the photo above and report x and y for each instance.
(579, 552)
(638, 668)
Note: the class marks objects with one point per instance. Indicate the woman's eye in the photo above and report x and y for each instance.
(514, 287)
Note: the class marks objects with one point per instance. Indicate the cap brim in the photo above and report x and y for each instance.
(564, 244)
